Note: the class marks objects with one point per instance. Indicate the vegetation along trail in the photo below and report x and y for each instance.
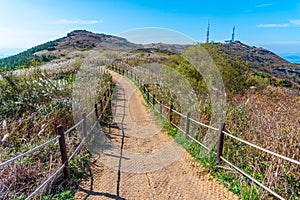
(143, 162)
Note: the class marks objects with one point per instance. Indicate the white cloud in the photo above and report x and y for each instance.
(272, 25)
(263, 5)
(296, 21)
(77, 21)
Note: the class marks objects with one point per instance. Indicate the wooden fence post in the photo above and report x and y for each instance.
(96, 111)
(148, 96)
(100, 105)
(153, 100)
(109, 100)
(105, 97)
(107, 92)
(84, 126)
(171, 108)
(110, 87)
(187, 125)
(63, 151)
(220, 142)
(160, 108)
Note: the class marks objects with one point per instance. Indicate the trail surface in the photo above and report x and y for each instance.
(143, 161)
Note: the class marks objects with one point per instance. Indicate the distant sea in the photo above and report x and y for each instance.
(293, 58)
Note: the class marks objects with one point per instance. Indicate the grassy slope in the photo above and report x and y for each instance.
(32, 105)
(267, 116)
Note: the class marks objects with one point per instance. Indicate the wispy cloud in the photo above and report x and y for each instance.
(272, 25)
(77, 21)
(263, 5)
(296, 21)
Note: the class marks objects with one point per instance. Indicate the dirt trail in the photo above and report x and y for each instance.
(144, 162)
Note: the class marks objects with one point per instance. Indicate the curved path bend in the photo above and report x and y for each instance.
(142, 161)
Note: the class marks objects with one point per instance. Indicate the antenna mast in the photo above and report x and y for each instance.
(232, 38)
(207, 34)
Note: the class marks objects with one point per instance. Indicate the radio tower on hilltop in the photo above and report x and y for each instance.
(232, 37)
(207, 33)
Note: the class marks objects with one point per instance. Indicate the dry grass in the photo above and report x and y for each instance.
(270, 119)
(34, 104)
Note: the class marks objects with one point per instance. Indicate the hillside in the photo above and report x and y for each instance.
(258, 59)
(263, 60)
(75, 40)
(83, 40)
(262, 107)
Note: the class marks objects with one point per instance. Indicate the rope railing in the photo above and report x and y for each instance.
(60, 137)
(156, 100)
(262, 149)
(178, 113)
(165, 106)
(230, 135)
(45, 182)
(202, 124)
(29, 152)
(177, 127)
(221, 138)
(252, 179)
(77, 149)
(73, 127)
(73, 153)
(91, 112)
(195, 140)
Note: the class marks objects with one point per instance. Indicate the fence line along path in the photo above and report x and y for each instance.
(139, 165)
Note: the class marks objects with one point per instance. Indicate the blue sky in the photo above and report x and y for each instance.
(272, 24)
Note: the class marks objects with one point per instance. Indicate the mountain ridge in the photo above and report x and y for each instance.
(259, 59)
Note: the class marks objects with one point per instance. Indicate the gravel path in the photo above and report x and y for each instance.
(144, 162)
